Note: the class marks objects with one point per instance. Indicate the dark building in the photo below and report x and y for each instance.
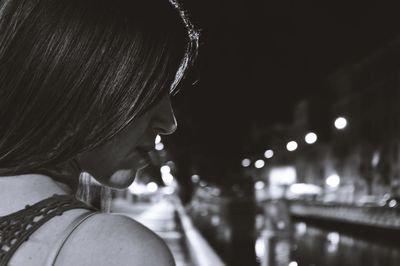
(367, 94)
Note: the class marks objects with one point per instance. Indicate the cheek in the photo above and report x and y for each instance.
(111, 163)
(130, 137)
(107, 163)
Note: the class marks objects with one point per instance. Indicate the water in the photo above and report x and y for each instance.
(273, 239)
(316, 246)
(310, 245)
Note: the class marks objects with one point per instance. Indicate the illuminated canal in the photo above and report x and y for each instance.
(310, 245)
(272, 238)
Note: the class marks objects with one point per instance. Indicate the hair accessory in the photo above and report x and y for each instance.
(192, 47)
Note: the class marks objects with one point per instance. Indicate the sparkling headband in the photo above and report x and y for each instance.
(191, 49)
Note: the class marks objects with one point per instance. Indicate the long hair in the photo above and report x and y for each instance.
(73, 73)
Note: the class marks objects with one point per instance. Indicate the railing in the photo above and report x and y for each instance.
(201, 253)
(381, 217)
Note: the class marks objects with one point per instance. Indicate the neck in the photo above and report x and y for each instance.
(18, 191)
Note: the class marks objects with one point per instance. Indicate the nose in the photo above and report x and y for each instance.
(164, 122)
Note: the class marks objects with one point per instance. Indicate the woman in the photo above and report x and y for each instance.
(84, 87)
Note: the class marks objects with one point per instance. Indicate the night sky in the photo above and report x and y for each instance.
(257, 59)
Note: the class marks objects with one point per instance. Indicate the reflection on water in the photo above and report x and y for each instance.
(273, 250)
(268, 237)
(313, 246)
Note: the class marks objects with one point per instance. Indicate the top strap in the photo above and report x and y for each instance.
(52, 257)
(16, 228)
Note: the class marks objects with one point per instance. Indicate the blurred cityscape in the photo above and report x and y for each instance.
(305, 193)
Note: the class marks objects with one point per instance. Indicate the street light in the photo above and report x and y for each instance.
(152, 187)
(340, 123)
(333, 181)
(136, 188)
(333, 238)
(246, 162)
(165, 169)
(292, 146)
(269, 154)
(167, 178)
(311, 138)
(195, 178)
(259, 164)
(259, 185)
(159, 146)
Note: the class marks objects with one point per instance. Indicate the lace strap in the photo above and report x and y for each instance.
(16, 228)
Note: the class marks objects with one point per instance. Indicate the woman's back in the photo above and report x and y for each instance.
(81, 236)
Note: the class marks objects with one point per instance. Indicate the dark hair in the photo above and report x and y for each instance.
(73, 73)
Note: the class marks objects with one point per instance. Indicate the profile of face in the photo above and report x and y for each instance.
(116, 162)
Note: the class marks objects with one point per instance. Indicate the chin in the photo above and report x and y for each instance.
(122, 179)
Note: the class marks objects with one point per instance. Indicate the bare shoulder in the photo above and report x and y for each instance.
(110, 239)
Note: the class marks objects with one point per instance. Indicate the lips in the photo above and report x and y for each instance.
(146, 150)
(144, 153)
(150, 153)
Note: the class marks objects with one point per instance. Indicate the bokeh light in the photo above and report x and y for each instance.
(311, 138)
(269, 154)
(159, 146)
(333, 181)
(341, 123)
(259, 164)
(165, 169)
(292, 146)
(246, 162)
(157, 140)
(259, 185)
(195, 178)
(152, 187)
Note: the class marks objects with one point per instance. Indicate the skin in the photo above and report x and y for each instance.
(104, 239)
(116, 162)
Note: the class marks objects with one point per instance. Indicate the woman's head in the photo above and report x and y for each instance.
(115, 162)
(75, 73)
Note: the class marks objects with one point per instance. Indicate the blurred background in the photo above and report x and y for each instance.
(288, 145)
